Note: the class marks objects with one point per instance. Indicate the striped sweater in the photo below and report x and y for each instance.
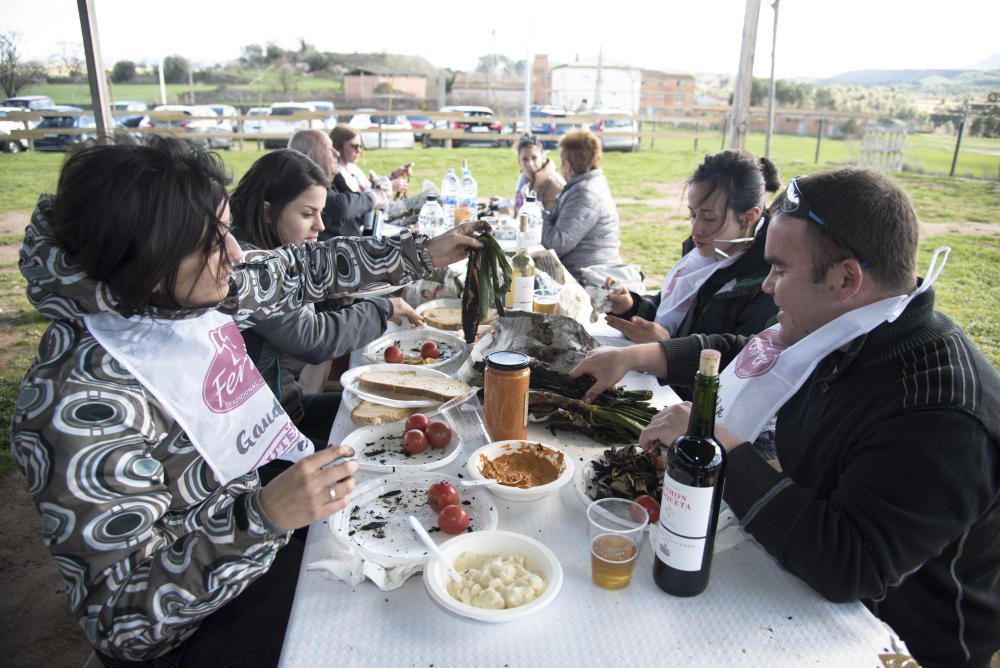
(890, 484)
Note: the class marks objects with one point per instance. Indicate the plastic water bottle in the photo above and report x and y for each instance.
(467, 195)
(449, 197)
(533, 209)
(431, 220)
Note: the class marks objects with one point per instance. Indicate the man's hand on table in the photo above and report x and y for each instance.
(401, 309)
(638, 329)
(302, 495)
(454, 244)
(672, 422)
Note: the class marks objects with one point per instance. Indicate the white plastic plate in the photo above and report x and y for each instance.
(375, 519)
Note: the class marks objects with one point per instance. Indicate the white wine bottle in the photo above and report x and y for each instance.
(524, 270)
(692, 491)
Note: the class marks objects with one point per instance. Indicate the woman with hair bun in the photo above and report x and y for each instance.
(715, 288)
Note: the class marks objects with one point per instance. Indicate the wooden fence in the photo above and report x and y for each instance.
(643, 127)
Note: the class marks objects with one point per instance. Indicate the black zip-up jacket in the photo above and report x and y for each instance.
(729, 302)
(345, 211)
(890, 484)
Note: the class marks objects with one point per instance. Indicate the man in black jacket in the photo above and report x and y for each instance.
(889, 452)
(342, 209)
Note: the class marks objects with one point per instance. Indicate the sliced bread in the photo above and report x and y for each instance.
(444, 317)
(450, 317)
(371, 413)
(409, 384)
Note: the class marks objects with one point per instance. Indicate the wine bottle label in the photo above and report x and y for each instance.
(683, 528)
(524, 292)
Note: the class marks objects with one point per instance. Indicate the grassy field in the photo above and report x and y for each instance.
(267, 81)
(648, 186)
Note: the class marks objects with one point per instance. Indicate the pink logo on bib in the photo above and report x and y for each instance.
(759, 355)
(232, 378)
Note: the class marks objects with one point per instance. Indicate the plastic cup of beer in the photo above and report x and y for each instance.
(617, 527)
(546, 301)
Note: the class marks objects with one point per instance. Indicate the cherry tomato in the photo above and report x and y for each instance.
(453, 519)
(417, 421)
(430, 349)
(414, 441)
(652, 507)
(438, 434)
(441, 495)
(394, 355)
(656, 459)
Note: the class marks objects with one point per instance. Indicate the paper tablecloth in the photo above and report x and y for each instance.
(753, 612)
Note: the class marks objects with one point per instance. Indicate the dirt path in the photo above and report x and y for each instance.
(39, 629)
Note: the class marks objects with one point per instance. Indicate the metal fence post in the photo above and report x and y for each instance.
(958, 143)
(819, 138)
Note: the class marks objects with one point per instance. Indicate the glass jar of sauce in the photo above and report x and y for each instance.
(506, 401)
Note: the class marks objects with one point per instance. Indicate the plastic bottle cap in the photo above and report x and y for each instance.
(507, 360)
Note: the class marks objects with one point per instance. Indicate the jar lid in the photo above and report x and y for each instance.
(507, 360)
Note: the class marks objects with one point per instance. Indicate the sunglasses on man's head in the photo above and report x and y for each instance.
(796, 205)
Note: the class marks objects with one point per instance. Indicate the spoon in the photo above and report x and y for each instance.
(479, 483)
(432, 546)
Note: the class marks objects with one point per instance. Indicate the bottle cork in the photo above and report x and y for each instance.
(708, 363)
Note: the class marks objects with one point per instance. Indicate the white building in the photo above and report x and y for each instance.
(574, 85)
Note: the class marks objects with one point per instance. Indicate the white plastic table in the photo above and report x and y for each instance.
(753, 612)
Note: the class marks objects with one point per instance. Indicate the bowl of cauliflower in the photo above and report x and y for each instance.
(505, 576)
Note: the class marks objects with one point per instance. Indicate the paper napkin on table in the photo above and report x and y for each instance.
(346, 563)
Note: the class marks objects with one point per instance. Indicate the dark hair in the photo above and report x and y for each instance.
(341, 134)
(582, 149)
(871, 214)
(526, 141)
(128, 214)
(740, 177)
(276, 178)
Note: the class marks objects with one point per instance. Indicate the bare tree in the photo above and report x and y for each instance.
(14, 74)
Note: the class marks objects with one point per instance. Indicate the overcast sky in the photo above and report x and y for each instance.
(816, 38)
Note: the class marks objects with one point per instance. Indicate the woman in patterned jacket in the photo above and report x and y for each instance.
(279, 201)
(142, 462)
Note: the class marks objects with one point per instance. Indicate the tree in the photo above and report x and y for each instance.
(14, 74)
(252, 54)
(273, 53)
(175, 69)
(124, 71)
(825, 99)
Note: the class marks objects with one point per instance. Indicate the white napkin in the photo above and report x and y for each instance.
(346, 563)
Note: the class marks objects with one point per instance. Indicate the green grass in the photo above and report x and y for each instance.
(267, 82)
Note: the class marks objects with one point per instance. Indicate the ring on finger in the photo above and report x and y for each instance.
(332, 491)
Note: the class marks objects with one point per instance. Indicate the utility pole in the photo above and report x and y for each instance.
(740, 119)
(770, 91)
(958, 140)
(598, 103)
(95, 70)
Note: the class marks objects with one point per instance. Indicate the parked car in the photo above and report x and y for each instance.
(7, 143)
(479, 123)
(368, 122)
(545, 120)
(129, 120)
(275, 124)
(205, 124)
(420, 122)
(324, 106)
(617, 130)
(32, 102)
(63, 142)
(230, 113)
(255, 124)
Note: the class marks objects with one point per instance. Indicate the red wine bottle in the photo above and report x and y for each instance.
(692, 491)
